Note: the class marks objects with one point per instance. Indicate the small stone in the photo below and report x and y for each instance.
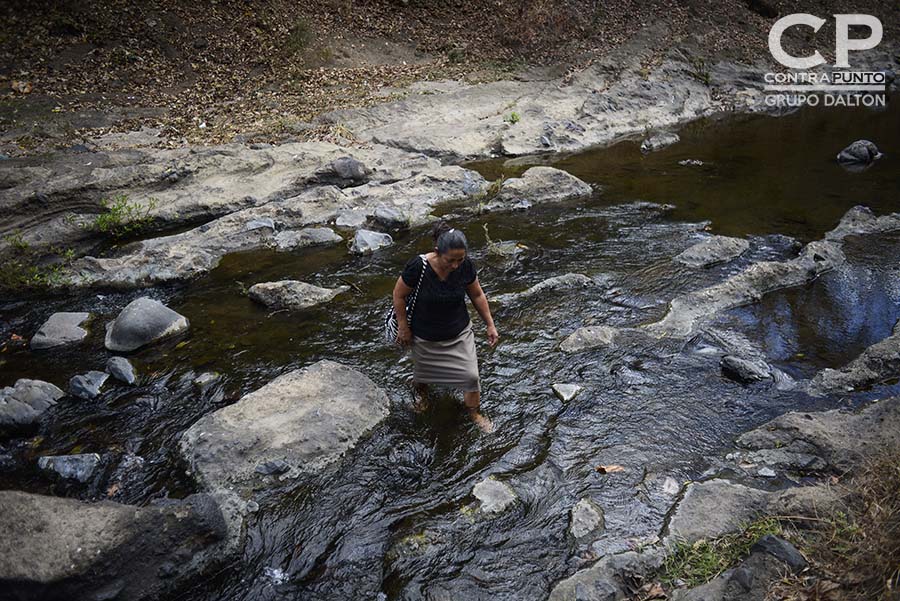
(390, 218)
(255, 224)
(87, 386)
(292, 294)
(566, 392)
(782, 550)
(586, 519)
(60, 329)
(352, 218)
(659, 141)
(495, 496)
(766, 472)
(367, 241)
(745, 371)
(206, 378)
(273, 468)
(121, 369)
(671, 486)
(861, 152)
(74, 467)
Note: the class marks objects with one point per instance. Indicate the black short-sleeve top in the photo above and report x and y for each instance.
(440, 311)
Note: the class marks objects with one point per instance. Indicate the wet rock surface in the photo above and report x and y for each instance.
(121, 369)
(292, 294)
(495, 496)
(80, 467)
(60, 329)
(543, 184)
(87, 386)
(713, 250)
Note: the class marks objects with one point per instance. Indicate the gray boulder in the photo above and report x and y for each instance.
(308, 236)
(390, 218)
(659, 141)
(589, 337)
(307, 417)
(121, 369)
(55, 548)
(142, 321)
(351, 218)
(367, 241)
(292, 294)
(21, 405)
(60, 329)
(861, 152)
(87, 386)
(79, 467)
(716, 249)
(543, 184)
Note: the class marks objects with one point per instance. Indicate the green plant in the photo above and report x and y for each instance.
(122, 217)
(701, 561)
(16, 240)
(700, 71)
(512, 118)
(489, 193)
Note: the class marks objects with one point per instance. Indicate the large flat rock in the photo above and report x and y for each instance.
(21, 405)
(60, 329)
(54, 548)
(306, 419)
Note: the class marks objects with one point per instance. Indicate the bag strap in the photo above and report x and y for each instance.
(416, 293)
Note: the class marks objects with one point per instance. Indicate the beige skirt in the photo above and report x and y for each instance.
(450, 363)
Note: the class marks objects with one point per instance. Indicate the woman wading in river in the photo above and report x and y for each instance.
(441, 337)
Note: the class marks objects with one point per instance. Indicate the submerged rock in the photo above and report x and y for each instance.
(23, 404)
(142, 321)
(716, 249)
(307, 418)
(292, 294)
(875, 364)
(559, 282)
(59, 548)
(60, 329)
(589, 337)
(659, 141)
(87, 386)
(79, 467)
(121, 369)
(495, 496)
(367, 241)
(206, 378)
(859, 153)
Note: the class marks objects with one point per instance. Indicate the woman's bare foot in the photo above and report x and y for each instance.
(481, 420)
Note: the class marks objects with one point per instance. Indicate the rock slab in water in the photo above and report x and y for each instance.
(79, 467)
(308, 418)
(121, 369)
(861, 152)
(87, 386)
(21, 405)
(367, 241)
(543, 184)
(292, 294)
(59, 548)
(588, 337)
(745, 371)
(659, 141)
(495, 496)
(142, 321)
(308, 236)
(586, 519)
(717, 249)
(60, 329)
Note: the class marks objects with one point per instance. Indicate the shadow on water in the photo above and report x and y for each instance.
(396, 515)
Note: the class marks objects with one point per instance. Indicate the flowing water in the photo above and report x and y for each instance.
(395, 518)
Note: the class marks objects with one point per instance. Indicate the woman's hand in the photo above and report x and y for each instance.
(404, 335)
(493, 335)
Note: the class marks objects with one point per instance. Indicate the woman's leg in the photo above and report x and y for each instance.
(420, 397)
(472, 401)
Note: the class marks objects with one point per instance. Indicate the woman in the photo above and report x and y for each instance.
(443, 345)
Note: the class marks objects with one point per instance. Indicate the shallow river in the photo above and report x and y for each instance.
(393, 519)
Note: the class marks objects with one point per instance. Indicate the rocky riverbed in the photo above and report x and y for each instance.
(208, 399)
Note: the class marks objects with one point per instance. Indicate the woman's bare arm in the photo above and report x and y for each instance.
(480, 302)
(401, 291)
